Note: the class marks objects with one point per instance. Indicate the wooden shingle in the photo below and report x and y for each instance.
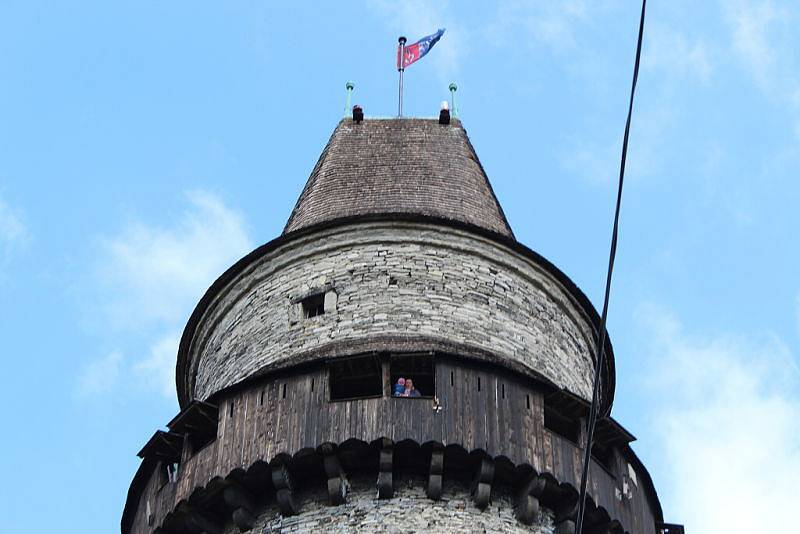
(399, 166)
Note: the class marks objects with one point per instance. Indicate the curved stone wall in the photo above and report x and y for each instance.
(397, 285)
(410, 510)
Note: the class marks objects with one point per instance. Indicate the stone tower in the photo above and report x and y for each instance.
(397, 261)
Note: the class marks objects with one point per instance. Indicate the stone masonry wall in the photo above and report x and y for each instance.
(419, 282)
(408, 511)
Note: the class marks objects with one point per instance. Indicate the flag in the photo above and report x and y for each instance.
(415, 51)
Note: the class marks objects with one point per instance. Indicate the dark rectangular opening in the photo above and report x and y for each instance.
(169, 472)
(355, 378)
(313, 305)
(561, 424)
(415, 367)
(604, 456)
(197, 423)
(198, 442)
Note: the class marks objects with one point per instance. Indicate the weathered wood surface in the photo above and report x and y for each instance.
(285, 415)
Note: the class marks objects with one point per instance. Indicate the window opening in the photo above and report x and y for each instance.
(413, 376)
(355, 378)
(230, 411)
(479, 383)
(528, 400)
(283, 395)
(172, 472)
(312, 384)
(198, 424)
(169, 472)
(200, 440)
(561, 424)
(261, 398)
(452, 382)
(313, 305)
(503, 390)
(604, 456)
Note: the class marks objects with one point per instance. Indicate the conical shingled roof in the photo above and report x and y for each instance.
(399, 166)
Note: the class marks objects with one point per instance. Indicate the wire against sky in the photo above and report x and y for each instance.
(587, 453)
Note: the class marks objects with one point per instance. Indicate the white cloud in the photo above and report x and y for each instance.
(752, 25)
(156, 274)
(797, 307)
(673, 53)
(551, 24)
(13, 232)
(158, 370)
(598, 161)
(100, 376)
(153, 276)
(726, 408)
(764, 40)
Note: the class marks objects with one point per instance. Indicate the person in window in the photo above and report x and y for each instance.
(410, 391)
(400, 387)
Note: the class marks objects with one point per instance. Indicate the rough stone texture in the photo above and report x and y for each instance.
(399, 166)
(430, 285)
(408, 511)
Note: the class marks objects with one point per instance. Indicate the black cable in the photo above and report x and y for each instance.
(602, 335)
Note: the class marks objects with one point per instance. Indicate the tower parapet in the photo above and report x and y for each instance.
(397, 262)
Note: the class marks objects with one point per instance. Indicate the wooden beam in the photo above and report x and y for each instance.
(337, 481)
(435, 472)
(243, 519)
(198, 522)
(243, 504)
(385, 470)
(482, 483)
(284, 488)
(527, 505)
(605, 527)
(565, 513)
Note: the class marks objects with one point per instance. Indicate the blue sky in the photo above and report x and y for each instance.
(145, 146)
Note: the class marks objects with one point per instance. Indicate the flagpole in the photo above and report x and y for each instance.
(401, 68)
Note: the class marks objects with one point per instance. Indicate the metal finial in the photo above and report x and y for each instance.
(454, 109)
(349, 86)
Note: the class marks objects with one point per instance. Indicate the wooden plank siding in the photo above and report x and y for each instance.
(250, 430)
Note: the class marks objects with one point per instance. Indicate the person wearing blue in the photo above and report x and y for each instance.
(399, 387)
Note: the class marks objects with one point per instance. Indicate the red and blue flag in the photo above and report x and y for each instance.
(415, 51)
